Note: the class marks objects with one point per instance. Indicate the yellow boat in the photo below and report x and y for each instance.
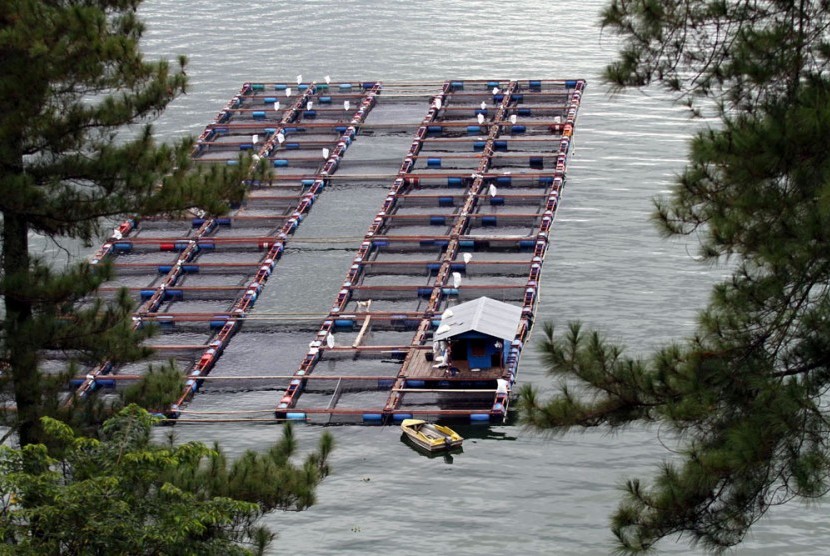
(429, 436)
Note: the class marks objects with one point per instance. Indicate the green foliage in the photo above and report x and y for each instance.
(76, 151)
(744, 395)
(123, 494)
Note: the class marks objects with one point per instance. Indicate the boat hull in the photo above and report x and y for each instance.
(429, 436)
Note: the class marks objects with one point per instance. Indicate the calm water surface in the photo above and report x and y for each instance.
(510, 491)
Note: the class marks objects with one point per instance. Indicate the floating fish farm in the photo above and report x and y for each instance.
(425, 310)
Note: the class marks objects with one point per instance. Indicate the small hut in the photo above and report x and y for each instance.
(479, 332)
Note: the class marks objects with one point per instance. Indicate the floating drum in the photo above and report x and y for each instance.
(433, 162)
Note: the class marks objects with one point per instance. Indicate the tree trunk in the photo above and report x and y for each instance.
(21, 351)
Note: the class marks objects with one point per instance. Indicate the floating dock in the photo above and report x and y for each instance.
(472, 173)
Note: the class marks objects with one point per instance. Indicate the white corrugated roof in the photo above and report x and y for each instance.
(484, 315)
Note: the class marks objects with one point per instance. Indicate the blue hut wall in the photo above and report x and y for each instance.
(481, 348)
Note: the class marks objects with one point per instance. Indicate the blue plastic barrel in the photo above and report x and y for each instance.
(258, 86)
(535, 85)
(246, 146)
(474, 130)
(445, 201)
(527, 244)
(325, 100)
(500, 145)
(224, 221)
(424, 292)
(433, 162)
(524, 112)
(570, 84)
(491, 84)
(435, 129)
(482, 111)
(385, 384)
(123, 247)
(433, 267)
(426, 243)
(345, 86)
(280, 87)
(457, 85)
(164, 269)
(232, 162)
(497, 98)
(344, 323)
(489, 221)
(546, 180)
(437, 220)
(399, 417)
(280, 163)
(458, 267)
(497, 201)
(258, 115)
(295, 416)
(190, 269)
(373, 418)
(309, 114)
(379, 243)
(302, 87)
(450, 291)
(147, 294)
(455, 182)
(177, 295)
(479, 145)
(197, 222)
(415, 383)
(440, 242)
(504, 180)
(467, 243)
(537, 162)
(518, 99)
(269, 100)
(479, 417)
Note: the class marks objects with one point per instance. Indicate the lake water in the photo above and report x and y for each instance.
(510, 491)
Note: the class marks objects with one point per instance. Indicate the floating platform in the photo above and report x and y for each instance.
(468, 176)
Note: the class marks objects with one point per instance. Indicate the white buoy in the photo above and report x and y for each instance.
(330, 340)
(328, 80)
(299, 79)
(492, 191)
(280, 138)
(325, 152)
(557, 119)
(456, 279)
(346, 105)
(513, 118)
(445, 315)
(308, 105)
(254, 138)
(495, 90)
(467, 257)
(481, 118)
(483, 105)
(116, 233)
(255, 157)
(276, 105)
(437, 104)
(288, 91)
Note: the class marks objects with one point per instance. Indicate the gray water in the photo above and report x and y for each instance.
(510, 491)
